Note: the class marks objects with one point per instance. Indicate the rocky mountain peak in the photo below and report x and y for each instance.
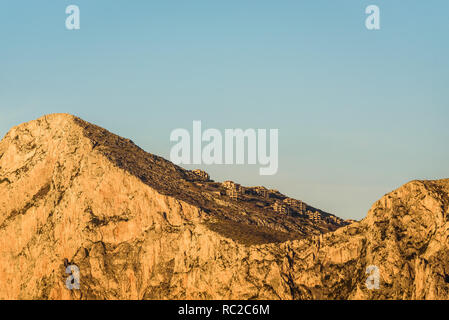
(139, 227)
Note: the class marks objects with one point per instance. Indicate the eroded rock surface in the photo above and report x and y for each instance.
(138, 228)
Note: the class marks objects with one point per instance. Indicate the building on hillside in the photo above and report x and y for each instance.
(280, 207)
(234, 194)
(230, 184)
(291, 202)
(302, 206)
(314, 216)
(234, 190)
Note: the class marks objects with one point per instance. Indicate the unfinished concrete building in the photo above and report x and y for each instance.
(302, 207)
(314, 216)
(234, 194)
(234, 190)
(281, 207)
(291, 202)
(230, 184)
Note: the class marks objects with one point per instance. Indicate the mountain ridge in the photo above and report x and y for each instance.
(139, 227)
(169, 179)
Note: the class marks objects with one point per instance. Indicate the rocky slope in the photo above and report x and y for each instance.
(139, 227)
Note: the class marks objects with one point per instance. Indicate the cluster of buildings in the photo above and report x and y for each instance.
(288, 205)
(280, 205)
(297, 204)
(317, 216)
(236, 191)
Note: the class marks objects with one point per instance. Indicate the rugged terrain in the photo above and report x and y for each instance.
(139, 227)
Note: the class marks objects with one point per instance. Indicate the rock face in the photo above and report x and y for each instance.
(139, 227)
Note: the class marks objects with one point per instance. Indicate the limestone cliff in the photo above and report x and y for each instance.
(139, 227)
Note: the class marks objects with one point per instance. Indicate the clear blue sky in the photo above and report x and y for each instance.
(359, 112)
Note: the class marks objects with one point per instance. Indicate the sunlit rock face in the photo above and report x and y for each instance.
(139, 227)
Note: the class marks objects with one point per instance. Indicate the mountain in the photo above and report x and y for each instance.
(140, 227)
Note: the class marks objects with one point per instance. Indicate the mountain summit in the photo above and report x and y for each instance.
(139, 227)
